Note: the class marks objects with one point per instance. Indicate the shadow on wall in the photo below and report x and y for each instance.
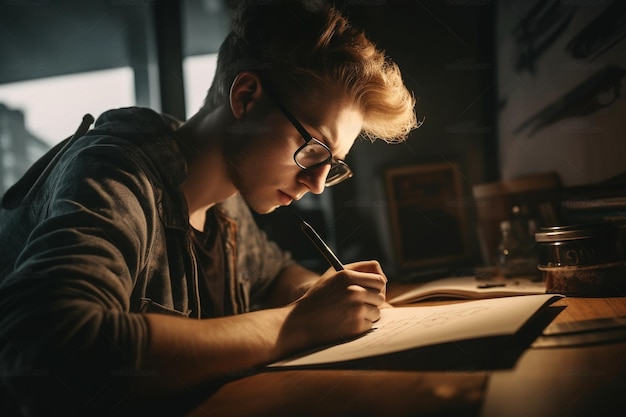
(561, 71)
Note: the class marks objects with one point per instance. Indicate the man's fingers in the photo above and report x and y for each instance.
(372, 314)
(368, 296)
(366, 280)
(366, 266)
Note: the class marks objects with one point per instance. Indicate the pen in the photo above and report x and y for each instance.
(491, 285)
(321, 246)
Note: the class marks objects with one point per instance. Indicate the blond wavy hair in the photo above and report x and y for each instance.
(303, 47)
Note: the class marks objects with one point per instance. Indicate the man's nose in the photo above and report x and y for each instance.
(315, 179)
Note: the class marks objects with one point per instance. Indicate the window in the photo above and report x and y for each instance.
(53, 107)
(198, 72)
(37, 114)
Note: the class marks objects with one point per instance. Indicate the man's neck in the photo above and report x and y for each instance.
(208, 181)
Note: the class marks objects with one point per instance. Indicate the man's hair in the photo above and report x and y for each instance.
(301, 47)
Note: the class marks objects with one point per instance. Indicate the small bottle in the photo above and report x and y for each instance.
(509, 251)
(507, 241)
(520, 224)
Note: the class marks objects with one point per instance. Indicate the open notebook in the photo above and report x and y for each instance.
(404, 328)
(468, 287)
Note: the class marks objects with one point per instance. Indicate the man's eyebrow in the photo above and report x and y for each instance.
(324, 137)
(326, 141)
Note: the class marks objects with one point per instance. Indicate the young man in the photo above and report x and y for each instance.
(130, 265)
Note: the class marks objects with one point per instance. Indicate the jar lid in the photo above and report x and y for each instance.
(573, 232)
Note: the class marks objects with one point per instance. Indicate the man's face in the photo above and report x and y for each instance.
(264, 171)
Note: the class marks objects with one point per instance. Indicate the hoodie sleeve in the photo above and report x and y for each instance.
(67, 339)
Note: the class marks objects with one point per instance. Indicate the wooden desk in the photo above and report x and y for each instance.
(558, 381)
(584, 380)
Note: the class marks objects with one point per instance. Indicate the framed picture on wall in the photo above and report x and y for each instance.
(427, 215)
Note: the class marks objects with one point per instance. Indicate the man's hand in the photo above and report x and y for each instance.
(341, 305)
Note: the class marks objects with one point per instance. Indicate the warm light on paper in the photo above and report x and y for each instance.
(405, 328)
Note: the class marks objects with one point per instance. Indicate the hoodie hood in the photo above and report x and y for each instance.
(134, 124)
(150, 131)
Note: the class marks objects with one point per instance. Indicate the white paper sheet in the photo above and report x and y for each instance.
(405, 328)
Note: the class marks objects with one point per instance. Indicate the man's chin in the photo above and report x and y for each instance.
(266, 210)
(261, 207)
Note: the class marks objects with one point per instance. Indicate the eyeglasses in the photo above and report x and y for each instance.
(313, 153)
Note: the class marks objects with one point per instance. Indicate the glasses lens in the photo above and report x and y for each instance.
(339, 171)
(313, 154)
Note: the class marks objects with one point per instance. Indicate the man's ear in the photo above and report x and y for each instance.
(245, 92)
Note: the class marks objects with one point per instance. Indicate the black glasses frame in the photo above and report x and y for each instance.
(335, 164)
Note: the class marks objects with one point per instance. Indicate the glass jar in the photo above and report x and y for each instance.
(582, 260)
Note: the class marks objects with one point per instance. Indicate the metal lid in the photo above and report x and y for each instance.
(573, 232)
